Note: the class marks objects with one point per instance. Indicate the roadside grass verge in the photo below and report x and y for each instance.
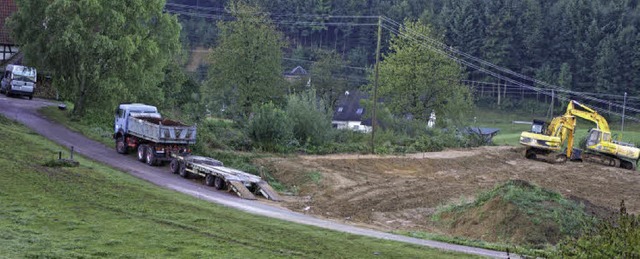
(98, 133)
(95, 211)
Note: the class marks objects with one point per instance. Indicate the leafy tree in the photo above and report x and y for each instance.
(101, 52)
(415, 80)
(327, 76)
(246, 64)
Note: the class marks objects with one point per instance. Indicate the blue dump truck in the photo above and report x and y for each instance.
(140, 127)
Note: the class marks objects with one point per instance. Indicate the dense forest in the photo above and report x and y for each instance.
(578, 45)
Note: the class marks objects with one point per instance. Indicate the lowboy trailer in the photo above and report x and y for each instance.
(215, 174)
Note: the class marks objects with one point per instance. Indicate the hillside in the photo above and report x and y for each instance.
(95, 211)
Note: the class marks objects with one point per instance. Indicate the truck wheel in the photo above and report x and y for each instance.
(183, 172)
(142, 152)
(121, 147)
(209, 179)
(218, 183)
(174, 166)
(151, 157)
(30, 97)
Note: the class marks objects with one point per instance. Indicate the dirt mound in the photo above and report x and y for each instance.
(516, 212)
(402, 192)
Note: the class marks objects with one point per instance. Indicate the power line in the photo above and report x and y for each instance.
(320, 16)
(484, 70)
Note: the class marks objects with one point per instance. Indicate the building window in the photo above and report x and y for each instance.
(339, 109)
(359, 111)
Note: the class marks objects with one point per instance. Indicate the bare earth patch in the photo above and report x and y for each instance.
(402, 192)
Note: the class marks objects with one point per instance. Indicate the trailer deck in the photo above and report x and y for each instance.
(245, 185)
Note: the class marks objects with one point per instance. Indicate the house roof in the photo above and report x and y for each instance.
(349, 108)
(7, 7)
(482, 131)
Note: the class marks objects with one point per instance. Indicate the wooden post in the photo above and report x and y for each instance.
(375, 88)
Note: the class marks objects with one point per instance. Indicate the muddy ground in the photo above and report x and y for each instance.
(402, 192)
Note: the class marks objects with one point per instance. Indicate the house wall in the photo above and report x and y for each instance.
(352, 125)
(7, 51)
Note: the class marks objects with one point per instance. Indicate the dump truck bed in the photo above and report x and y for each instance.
(159, 130)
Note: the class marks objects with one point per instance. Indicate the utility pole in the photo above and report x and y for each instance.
(375, 88)
(624, 104)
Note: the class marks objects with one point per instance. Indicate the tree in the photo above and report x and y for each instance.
(416, 80)
(100, 52)
(246, 64)
(327, 76)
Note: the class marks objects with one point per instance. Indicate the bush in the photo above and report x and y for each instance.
(221, 134)
(271, 129)
(616, 238)
(310, 119)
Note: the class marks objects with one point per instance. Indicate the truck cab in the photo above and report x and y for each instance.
(18, 80)
(126, 110)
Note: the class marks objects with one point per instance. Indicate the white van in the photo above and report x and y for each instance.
(18, 80)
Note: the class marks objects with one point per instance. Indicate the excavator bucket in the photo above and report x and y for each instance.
(265, 189)
(242, 191)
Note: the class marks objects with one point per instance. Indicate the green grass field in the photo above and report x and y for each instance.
(95, 211)
(510, 132)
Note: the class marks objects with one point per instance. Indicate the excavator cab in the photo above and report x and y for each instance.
(594, 137)
(538, 126)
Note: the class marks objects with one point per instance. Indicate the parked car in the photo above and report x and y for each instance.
(18, 80)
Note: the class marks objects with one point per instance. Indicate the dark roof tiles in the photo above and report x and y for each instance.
(7, 7)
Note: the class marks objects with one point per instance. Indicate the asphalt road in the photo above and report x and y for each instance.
(25, 112)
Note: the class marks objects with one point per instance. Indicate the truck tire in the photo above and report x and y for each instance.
(219, 183)
(142, 152)
(30, 97)
(174, 166)
(183, 172)
(209, 179)
(151, 157)
(121, 147)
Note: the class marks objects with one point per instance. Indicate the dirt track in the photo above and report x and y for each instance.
(401, 192)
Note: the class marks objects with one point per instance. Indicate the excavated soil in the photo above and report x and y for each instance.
(402, 192)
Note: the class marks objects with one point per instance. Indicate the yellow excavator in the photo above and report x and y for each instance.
(599, 146)
(545, 140)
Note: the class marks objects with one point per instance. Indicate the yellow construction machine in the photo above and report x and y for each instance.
(546, 143)
(600, 147)
(545, 140)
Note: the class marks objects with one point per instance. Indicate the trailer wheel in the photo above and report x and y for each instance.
(142, 152)
(209, 180)
(174, 166)
(183, 172)
(121, 147)
(218, 183)
(151, 157)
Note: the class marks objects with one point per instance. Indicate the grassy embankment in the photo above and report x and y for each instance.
(93, 210)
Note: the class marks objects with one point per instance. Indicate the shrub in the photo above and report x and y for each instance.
(615, 238)
(270, 129)
(221, 134)
(310, 119)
